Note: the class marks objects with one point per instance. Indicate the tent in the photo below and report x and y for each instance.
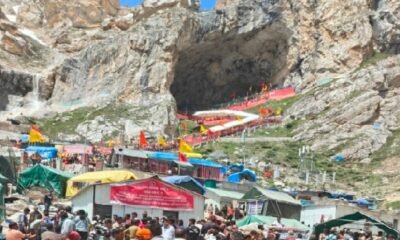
(2, 204)
(274, 203)
(270, 221)
(111, 176)
(43, 176)
(186, 182)
(169, 156)
(245, 174)
(7, 169)
(204, 162)
(44, 152)
(353, 218)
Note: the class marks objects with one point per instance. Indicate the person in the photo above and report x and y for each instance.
(324, 235)
(379, 236)
(332, 235)
(144, 215)
(49, 233)
(134, 215)
(156, 231)
(131, 231)
(168, 232)
(143, 233)
(230, 212)
(291, 235)
(23, 221)
(2, 237)
(180, 224)
(117, 234)
(67, 225)
(48, 199)
(14, 234)
(192, 231)
(82, 224)
(35, 215)
(180, 234)
(74, 235)
(128, 220)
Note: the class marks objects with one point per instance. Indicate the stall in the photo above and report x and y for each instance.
(206, 169)
(153, 195)
(78, 182)
(355, 217)
(43, 176)
(261, 201)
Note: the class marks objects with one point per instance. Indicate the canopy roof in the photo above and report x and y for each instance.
(269, 221)
(44, 152)
(186, 182)
(258, 193)
(131, 153)
(111, 176)
(43, 176)
(352, 218)
(247, 174)
(204, 162)
(226, 193)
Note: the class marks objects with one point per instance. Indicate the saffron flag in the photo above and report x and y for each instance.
(142, 139)
(183, 126)
(182, 157)
(263, 111)
(203, 129)
(184, 147)
(35, 135)
(161, 140)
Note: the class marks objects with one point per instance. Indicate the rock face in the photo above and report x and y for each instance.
(165, 56)
(355, 114)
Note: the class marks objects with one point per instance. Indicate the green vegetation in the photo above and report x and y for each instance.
(390, 149)
(67, 122)
(281, 131)
(393, 205)
(374, 59)
(283, 104)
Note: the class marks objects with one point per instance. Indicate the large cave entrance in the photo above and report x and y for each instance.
(213, 72)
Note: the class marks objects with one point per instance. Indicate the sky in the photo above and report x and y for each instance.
(205, 4)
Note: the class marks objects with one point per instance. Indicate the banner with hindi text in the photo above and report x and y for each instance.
(152, 193)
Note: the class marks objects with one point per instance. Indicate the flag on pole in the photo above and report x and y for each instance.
(142, 139)
(184, 147)
(161, 140)
(203, 129)
(183, 126)
(182, 157)
(35, 135)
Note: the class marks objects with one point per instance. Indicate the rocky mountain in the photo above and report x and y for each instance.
(92, 69)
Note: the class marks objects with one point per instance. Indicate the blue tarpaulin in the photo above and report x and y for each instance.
(44, 152)
(204, 162)
(185, 182)
(24, 138)
(245, 174)
(163, 156)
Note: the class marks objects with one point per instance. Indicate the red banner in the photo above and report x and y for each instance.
(151, 193)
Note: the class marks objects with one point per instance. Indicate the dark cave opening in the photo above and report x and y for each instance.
(213, 72)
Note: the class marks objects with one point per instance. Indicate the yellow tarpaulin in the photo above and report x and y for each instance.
(193, 155)
(111, 176)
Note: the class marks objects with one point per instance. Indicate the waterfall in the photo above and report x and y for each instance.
(35, 103)
(35, 86)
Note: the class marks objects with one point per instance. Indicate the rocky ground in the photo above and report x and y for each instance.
(94, 70)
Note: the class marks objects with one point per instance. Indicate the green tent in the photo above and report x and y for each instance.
(7, 169)
(353, 218)
(267, 220)
(2, 205)
(43, 176)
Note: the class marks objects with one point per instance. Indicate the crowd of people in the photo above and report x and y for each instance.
(348, 234)
(66, 225)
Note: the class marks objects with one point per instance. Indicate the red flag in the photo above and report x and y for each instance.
(182, 157)
(183, 126)
(142, 139)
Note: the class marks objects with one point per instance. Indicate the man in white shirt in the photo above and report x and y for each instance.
(168, 231)
(67, 224)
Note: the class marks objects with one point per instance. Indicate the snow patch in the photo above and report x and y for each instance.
(31, 34)
(12, 18)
